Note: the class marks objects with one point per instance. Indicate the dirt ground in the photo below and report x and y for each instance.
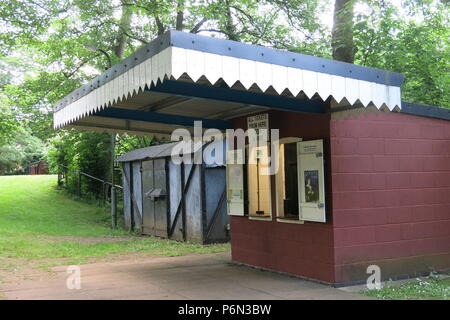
(133, 276)
(14, 271)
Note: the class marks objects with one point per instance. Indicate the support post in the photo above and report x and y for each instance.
(60, 176)
(79, 184)
(183, 200)
(113, 189)
(104, 192)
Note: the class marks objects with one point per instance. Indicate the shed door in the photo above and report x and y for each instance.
(148, 212)
(155, 198)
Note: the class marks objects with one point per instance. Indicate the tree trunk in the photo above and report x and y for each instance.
(230, 28)
(160, 26)
(180, 16)
(342, 33)
(124, 26)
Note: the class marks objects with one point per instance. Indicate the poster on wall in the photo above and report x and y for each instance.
(235, 183)
(311, 181)
(311, 185)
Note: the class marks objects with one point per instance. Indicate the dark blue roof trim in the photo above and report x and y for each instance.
(425, 111)
(237, 50)
(147, 116)
(194, 90)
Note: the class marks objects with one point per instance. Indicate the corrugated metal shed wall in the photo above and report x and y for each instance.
(137, 190)
(204, 196)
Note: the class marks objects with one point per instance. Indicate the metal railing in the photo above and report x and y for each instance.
(62, 174)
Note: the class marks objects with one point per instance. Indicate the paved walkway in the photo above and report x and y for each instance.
(210, 276)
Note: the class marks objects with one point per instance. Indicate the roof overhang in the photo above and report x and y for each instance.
(180, 77)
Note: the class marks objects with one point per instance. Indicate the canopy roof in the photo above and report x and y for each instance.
(181, 77)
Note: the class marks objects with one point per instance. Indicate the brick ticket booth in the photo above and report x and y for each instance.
(386, 198)
(363, 178)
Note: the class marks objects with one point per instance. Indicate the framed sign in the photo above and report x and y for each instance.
(311, 181)
(260, 121)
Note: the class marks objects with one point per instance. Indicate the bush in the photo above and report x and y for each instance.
(90, 152)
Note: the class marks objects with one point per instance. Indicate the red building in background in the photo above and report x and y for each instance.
(40, 167)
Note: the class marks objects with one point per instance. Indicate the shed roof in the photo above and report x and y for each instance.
(158, 151)
(152, 152)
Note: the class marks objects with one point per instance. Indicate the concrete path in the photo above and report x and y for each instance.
(209, 276)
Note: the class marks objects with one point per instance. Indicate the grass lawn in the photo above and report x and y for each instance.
(40, 223)
(432, 287)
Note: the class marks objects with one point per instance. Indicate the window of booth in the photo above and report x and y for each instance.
(235, 175)
(299, 182)
(248, 187)
(287, 181)
(258, 184)
(300, 192)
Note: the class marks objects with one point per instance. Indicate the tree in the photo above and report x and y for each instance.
(67, 39)
(413, 40)
(8, 125)
(342, 34)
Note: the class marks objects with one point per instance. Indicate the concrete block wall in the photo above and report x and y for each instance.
(303, 250)
(391, 194)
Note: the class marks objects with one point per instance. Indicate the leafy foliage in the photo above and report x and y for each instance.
(8, 125)
(86, 151)
(23, 149)
(417, 47)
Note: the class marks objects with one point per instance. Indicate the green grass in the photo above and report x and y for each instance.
(432, 287)
(34, 213)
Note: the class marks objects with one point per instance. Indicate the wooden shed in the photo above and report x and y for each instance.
(184, 201)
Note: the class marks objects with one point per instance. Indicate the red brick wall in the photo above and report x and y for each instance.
(305, 250)
(391, 194)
